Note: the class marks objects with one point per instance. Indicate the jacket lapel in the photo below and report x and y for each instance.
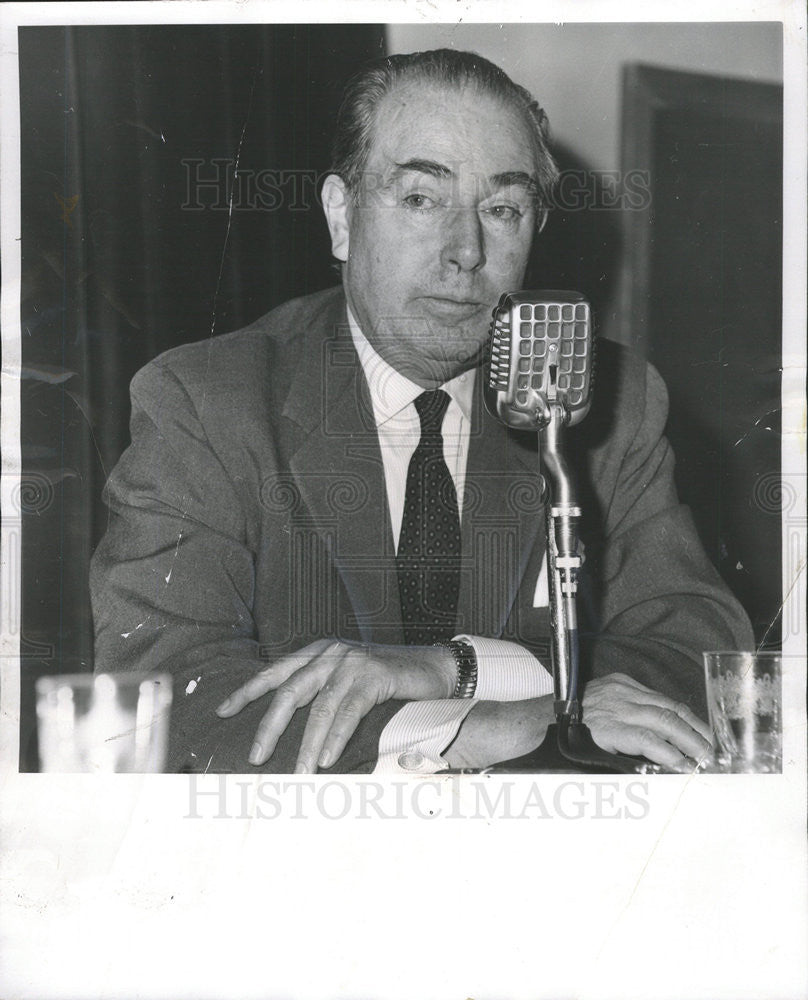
(503, 520)
(339, 473)
(337, 466)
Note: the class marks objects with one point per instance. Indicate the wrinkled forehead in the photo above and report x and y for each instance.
(466, 128)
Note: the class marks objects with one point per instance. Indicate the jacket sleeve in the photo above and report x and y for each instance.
(172, 585)
(658, 602)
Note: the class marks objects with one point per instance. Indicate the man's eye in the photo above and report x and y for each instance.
(421, 201)
(506, 213)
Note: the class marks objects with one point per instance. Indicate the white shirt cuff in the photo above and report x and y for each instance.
(414, 739)
(507, 671)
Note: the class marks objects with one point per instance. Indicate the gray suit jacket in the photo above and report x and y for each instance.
(249, 517)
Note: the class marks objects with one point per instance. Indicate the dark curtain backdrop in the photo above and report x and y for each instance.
(129, 139)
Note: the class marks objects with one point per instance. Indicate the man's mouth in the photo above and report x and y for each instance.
(452, 308)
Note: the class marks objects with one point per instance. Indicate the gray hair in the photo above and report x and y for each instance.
(363, 93)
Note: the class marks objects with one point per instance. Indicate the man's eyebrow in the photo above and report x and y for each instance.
(423, 167)
(516, 177)
(508, 178)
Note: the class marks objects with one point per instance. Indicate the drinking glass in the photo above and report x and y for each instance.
(103, 723)
(744, 698)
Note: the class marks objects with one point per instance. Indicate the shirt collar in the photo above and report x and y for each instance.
(390, 391)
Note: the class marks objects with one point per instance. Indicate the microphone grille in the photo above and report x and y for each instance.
(541, 350)
(500, 358)
(561, 335)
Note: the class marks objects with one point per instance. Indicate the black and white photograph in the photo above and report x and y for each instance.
(403, 422)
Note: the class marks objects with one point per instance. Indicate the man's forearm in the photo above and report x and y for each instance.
(494, 731)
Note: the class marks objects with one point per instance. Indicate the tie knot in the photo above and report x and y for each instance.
(431, 407)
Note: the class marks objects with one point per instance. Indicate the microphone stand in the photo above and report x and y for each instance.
(568, 744)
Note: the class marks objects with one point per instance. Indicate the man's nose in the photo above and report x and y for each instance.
(464, 246)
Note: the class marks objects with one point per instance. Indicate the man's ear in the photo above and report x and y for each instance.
(337, 212)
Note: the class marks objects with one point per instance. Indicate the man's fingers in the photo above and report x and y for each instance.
(690, 717)
(661, 701)
(626, 700)
(655, 732)
(616, 736)
(270, 678)
(679, 732)
(321, 716)
(334, 715)
(649, 744)
(288, 699)
(294, 693)
(675, 721)
(350, 712)
(257, 686)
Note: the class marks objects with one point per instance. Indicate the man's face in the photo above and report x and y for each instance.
(441, 228)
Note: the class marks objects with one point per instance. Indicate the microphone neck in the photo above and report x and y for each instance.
(554, 460)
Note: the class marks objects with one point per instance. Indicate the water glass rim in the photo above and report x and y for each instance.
(121, 679)
(760, 654)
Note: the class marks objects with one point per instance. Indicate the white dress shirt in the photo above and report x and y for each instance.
(414, 739)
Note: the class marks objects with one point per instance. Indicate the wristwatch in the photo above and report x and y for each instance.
(466, 660)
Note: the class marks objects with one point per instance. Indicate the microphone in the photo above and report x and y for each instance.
(541, 353)
(539, 377)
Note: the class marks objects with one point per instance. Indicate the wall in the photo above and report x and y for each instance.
(574, 70)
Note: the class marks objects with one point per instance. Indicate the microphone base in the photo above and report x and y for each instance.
(568, 748)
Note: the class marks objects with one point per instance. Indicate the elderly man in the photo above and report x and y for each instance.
(334, 551)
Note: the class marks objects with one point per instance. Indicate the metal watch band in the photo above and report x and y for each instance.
(466, 660)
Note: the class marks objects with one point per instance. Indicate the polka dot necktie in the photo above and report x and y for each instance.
(428, 557)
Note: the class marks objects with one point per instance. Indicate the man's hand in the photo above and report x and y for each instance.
(624, 716)
(343, 681)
